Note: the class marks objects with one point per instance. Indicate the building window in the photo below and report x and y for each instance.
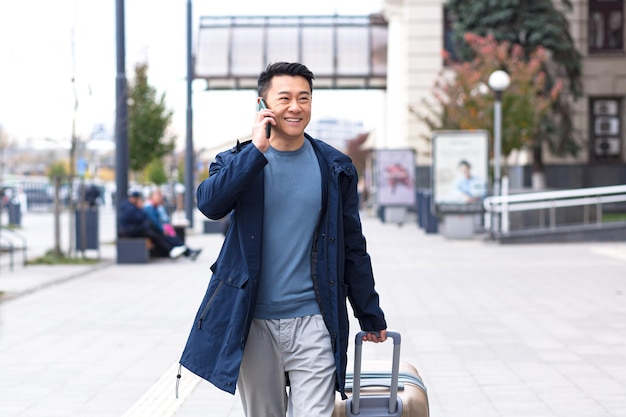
(606, 129)
(449, 43)
(606, 25)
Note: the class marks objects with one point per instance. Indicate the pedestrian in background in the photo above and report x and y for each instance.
(134, 222)
(155, 209)
(275, 312)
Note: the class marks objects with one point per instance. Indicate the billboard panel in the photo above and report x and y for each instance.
(460, 170)
(395, 173)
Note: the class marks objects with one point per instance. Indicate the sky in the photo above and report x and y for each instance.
(56, 53)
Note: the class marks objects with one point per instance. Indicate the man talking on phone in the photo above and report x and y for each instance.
(274, 319)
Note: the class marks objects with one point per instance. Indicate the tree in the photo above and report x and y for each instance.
(156, 172)
(530, 24)
(203, 172)
(57, 169)
(148, 120)
(462, 100)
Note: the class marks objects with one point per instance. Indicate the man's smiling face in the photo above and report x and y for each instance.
(289, 97)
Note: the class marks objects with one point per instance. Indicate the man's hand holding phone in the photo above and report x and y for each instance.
(261, 131)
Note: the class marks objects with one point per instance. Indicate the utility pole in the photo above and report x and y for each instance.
(189, 153)
(121, 111)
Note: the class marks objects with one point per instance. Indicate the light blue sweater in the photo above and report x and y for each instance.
(293, 200)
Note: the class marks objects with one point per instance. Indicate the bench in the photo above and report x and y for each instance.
(133, 250)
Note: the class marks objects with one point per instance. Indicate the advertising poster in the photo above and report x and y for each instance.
(395, 174)
(460, 170)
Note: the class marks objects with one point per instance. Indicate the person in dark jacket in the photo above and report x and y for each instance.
(134, 222)
(92, 195)
(275, 311)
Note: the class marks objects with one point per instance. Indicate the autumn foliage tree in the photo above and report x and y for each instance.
(531, 24)
(462, 99)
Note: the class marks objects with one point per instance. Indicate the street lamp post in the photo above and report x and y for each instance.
(499, 81)
(121, 110)
(189, 156)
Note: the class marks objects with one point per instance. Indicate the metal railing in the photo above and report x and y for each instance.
(501, 206)
(10, 243)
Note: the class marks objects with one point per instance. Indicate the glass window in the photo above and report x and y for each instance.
(342, 51)
(606, 25)
(615, 33)
(596, 31)
(449, 44)
(605, 129)
(353, 51)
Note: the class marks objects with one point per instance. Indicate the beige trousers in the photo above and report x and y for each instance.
(299, 348)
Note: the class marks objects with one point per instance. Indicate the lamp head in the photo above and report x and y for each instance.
(499, 81)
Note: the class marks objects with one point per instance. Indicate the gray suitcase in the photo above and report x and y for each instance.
(377, 391)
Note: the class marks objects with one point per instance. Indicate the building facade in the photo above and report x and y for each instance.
(416, 42)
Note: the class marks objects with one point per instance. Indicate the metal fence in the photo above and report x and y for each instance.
(39, 196)
(591, 201)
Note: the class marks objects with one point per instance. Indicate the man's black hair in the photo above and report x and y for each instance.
(282, 68)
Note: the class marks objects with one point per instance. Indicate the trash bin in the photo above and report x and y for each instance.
(87, 229)
(431, 221)
(419, 208)
(15, 212)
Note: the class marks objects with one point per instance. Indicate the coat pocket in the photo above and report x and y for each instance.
(223, 301)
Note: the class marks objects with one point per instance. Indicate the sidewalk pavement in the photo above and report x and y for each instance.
(515, 330)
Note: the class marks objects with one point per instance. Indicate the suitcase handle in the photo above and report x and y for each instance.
(395, 370)
(377, 382)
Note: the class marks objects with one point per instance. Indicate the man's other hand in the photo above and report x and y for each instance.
(377, 337)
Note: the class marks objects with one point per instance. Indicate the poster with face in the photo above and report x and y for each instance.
(460, 170)
(395, 177)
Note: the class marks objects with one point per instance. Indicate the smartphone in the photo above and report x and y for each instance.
(268, 127)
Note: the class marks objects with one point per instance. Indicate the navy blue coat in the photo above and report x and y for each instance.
(341, 266)
(133, 220)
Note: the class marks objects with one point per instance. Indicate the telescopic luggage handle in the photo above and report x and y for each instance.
(394, 404)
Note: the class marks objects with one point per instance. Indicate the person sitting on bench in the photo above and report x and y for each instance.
(155, 209)
(134, 222)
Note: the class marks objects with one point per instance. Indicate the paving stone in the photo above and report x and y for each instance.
(516, 330)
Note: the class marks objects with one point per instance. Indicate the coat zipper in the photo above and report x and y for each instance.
(208, 305)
